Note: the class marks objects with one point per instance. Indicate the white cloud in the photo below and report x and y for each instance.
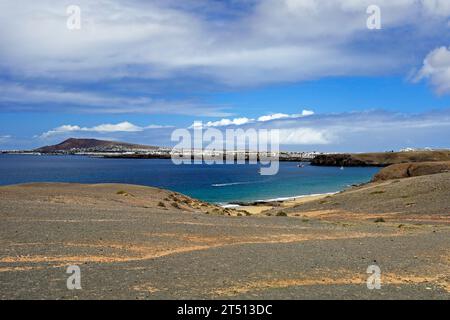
(305, 136)
(273, 117)
(307, 113)
(288, 136)
(273, 40)
(276, 116)
(243, 120)
(228, 122)
(438, 7)
(222, 123)
(361, 131)
(24, 98)
(364, 131)
(5, 137)
(103, 128)
(120, 127)
(436, 68)
(157, 126)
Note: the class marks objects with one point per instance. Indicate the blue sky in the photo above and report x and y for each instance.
(137, 70)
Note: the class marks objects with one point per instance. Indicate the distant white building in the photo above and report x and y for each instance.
(415, 149)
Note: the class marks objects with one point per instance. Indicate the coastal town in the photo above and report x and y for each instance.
(111, 149)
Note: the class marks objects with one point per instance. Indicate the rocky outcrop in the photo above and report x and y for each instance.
(380, 159)
(339, 160)
(406, 170)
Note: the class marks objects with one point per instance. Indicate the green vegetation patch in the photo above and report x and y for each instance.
(161, 204)
(123, 193)
(175, 205)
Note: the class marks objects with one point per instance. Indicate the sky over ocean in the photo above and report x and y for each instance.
(136, 70)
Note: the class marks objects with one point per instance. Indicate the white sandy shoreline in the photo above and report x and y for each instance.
(281, 199)
(259, 206)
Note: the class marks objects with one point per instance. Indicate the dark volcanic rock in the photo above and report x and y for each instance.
(338, 160)
(379, 159)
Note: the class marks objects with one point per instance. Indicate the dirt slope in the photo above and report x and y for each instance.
(414, 199)
(406, 170)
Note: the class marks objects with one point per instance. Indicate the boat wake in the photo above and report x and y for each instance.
(230, 184)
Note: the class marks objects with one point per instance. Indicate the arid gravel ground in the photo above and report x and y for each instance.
(135, 242)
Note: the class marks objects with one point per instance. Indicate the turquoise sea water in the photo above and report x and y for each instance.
(214, 183)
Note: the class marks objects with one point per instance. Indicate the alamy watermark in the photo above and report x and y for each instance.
(374, 20)
(74, 280)
(211, 146)
(74, 17)
(374, 280)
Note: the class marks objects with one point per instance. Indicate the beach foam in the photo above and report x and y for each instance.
(296, 197)
(280, 199)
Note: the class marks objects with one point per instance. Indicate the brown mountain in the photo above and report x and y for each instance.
(92, 145)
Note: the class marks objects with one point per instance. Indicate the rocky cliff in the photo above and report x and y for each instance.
(380, 159)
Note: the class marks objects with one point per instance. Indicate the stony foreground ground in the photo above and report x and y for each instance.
(143, 243)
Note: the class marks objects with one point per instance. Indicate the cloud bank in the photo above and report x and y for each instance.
(244, 120)
(164, 45)
(103, 128)
(17, 97)
(375, 130)
(271, 41)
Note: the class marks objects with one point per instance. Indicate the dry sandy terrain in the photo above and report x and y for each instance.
(130, 246)
(423, 199)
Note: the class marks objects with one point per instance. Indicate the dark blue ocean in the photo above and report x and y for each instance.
(213, 183)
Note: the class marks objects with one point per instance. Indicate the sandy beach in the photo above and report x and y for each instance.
(267, 205)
